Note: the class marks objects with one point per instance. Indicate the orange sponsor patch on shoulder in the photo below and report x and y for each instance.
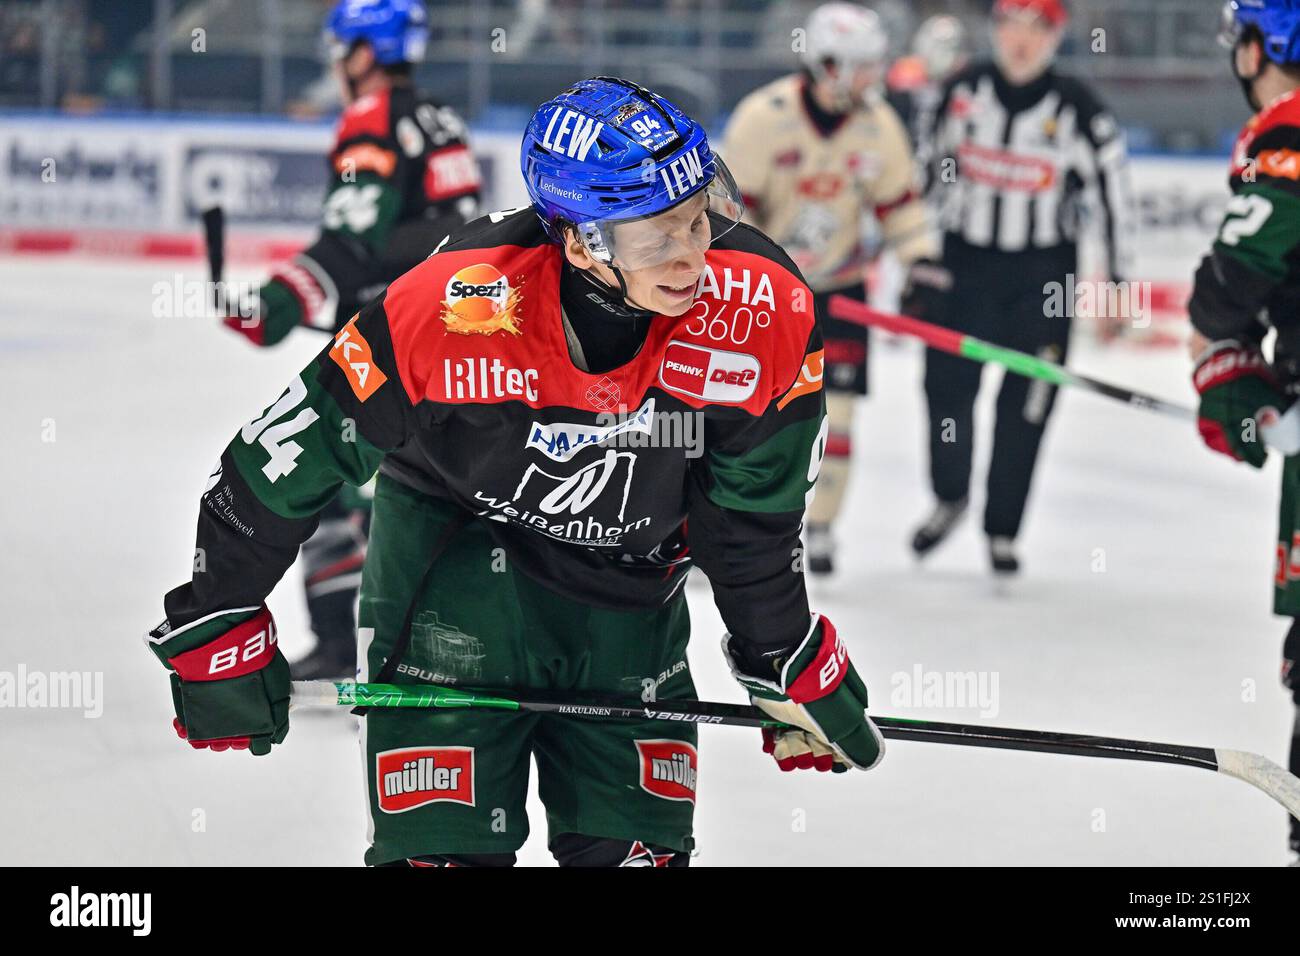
(366, 157)
(351, 352)
(809, 380)
(1280, 163)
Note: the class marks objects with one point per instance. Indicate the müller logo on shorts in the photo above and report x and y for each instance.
(711, 374)
(668, 768)
(480, 301)
(414, 776)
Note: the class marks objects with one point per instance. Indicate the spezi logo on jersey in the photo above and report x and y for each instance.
(480, 301)
(668, 768)
(714, 375)
(414, 776)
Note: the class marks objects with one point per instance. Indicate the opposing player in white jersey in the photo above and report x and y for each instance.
(815, 154)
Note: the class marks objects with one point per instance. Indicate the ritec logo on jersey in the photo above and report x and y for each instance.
(414, 776)
(668, 768)
(480, 301)
(711, 374)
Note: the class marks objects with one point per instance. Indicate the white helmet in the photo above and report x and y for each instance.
(940, 42)
(848, 36)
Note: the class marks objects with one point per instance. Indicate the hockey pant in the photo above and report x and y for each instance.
(452, 784)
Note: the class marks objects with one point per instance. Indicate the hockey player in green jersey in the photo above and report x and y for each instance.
(401, 177)
(1250, 283)
(525, 394)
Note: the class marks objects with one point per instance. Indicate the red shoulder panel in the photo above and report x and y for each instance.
(1283, 111)
(483, 326)
(367, 116)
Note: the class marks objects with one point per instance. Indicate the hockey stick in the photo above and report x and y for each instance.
(977, 350)
(214, 239)
(1280, 431)
(1255, 770)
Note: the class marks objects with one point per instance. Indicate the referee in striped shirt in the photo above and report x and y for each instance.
(1017, 158)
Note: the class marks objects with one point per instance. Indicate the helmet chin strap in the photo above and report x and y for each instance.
(613, 302)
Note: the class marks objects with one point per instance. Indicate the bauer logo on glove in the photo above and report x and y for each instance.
(818, 694)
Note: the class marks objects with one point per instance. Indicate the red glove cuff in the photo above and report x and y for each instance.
(1229, 363)
(245, 648)
(825, 671)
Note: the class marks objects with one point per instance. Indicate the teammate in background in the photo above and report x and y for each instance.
(1250, 282)
(1016, 154)
(402, 178)
(915, 82)
(483, 385)
(813, 153)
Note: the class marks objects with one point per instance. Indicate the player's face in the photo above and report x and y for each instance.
(683, 234)
(861, 83)
(1025, 46)
(350, 68)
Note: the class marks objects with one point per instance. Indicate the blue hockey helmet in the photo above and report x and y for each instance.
(396, 30)
(1278, 23)
(608, 153)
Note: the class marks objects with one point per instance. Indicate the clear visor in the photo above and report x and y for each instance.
(1229, 28)
(686, 229)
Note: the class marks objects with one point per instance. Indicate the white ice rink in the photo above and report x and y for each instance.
(1165, 644)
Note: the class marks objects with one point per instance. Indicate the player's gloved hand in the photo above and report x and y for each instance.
(1236, 385)
(230, 683)
(287, 299)
(814, 688)
(925, 291)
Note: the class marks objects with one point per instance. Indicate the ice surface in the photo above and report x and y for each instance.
(1165, 644)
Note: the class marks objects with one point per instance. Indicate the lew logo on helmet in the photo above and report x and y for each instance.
(480, 301)
(711, 374)
(571, 133)
(683, 174)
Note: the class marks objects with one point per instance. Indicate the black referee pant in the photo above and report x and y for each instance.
(999, 297)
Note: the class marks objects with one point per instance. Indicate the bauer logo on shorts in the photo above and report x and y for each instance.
(480, 301)
(351, 352)
(668, 768)
(711, 374)
(410, 778)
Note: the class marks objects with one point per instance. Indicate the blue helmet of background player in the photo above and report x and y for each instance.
(1274, 24)
(607, 154)
(397, 31)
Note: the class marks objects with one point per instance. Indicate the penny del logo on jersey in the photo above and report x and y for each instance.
(479, 300)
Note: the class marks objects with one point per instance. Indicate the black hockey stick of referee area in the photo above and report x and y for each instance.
(1259, 772)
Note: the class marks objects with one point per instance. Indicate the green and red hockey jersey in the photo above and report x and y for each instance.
(1251, 278)
(402, 176)
(459, 383)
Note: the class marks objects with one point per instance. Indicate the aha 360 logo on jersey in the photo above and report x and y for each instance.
(714, 375)
(414, 776)
(479, 301)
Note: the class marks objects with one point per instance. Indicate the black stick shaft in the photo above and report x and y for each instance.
(897, 728)
(214, 238)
